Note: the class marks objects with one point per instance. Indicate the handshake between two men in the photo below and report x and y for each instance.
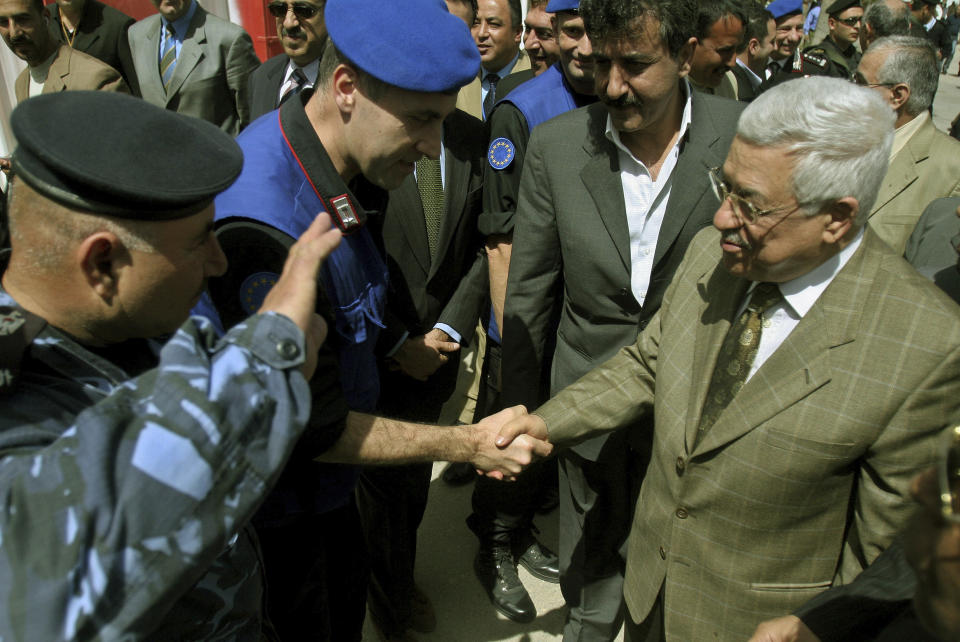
(496, 445)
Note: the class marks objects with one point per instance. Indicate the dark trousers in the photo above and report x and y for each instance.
(501, 509)
(392, 501)
(597, 500)
(316, 575)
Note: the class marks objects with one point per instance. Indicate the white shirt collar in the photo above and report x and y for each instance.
(802, 292)
(504, 71)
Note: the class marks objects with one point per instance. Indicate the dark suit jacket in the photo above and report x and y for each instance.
(452, 287)
(745, 89)
(210, 81)
(264, 85)
(102, 33)
(804, 478)
(930, 248)
(571, 246)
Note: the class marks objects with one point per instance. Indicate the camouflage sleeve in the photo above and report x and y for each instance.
(102, 529)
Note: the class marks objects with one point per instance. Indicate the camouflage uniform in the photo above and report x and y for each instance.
(124, 502)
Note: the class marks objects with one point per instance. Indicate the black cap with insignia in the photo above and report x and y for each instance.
(113, 154)
(841, 5)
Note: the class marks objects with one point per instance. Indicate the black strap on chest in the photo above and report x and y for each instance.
(18, 329)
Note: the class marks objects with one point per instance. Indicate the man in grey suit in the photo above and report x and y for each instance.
(302, 34)
(803, 374)
(598, 237)
(194, 63)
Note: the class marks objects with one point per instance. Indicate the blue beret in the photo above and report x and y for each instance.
(109, 153)
(781, 8)
(414, 44)
(563, 5)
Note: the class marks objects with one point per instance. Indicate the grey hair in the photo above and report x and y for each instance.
(885, 21)
(910, 60)
(61, 228)
(840, 134)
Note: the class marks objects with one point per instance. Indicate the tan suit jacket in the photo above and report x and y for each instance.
(73, 70)
(470, 97)
(927, 168)
(804, 477)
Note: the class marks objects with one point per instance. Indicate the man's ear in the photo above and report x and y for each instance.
(753, 46)
(345, 87)
(685, 56)
(843, 214)
(99, 257)
(899, 94)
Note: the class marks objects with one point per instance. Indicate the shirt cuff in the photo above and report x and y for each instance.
(456, 336)
(396, 346)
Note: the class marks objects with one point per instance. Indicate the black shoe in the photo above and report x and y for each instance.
(458, 473)
(497, 572)
(540, 561)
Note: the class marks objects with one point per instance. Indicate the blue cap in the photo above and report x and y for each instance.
(781, 8)
(414, 44)
(563, 5)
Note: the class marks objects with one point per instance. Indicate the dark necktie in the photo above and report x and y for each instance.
(293, 86)
(488, 102)
(168, 62)
(431, 195)
(736, 355)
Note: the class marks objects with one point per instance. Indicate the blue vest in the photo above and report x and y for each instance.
(274, 189)
(543, 97)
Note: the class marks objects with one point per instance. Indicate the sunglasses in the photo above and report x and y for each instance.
(850, 22)
(301, 10)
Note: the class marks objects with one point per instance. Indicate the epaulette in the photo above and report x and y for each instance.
(817, 57)
(18, 329)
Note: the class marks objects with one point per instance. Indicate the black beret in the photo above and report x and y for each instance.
(113, 154)
(841, 5)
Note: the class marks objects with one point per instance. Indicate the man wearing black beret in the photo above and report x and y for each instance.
(129, 469)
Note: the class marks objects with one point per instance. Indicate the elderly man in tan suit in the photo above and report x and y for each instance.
(924, 162)
(803, 374)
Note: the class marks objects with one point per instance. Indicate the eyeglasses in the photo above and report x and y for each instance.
(861, 81)
(301, 10)
(949, 476)
(851, 22)
(744, 209)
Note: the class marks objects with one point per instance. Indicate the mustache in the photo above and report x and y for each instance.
(735, 238)
(622, 101)
(21, 40)
(292, 33)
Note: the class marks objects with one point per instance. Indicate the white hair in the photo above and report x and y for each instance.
(840, 134)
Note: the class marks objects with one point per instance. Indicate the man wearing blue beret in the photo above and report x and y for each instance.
(788, 62)
(384, 87)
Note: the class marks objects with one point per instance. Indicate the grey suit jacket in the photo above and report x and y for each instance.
(804, 478)
(931, 246)
(73, 70)
(210, 80)
(927, 168)
(571, 246)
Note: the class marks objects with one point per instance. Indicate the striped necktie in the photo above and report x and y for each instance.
(168, 62)
(491, 99)
(293, 85)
